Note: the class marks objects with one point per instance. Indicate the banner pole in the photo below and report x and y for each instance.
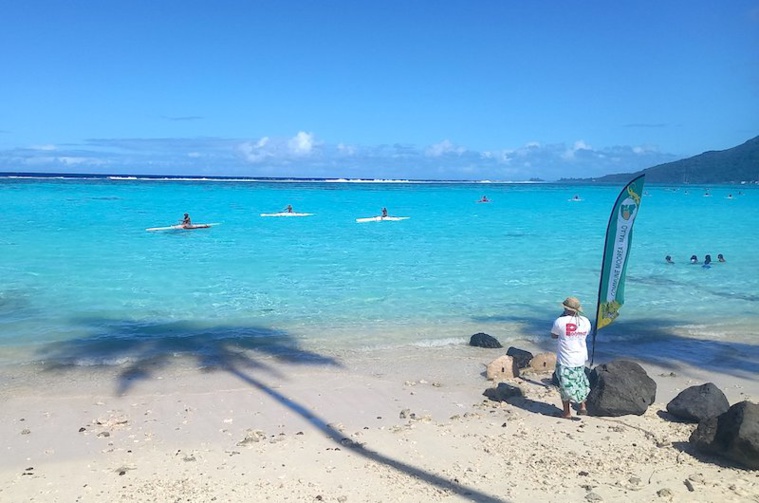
(621, 266)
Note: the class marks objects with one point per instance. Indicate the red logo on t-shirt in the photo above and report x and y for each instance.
(571, 328)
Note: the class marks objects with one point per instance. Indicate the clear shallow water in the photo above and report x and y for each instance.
(84, 283)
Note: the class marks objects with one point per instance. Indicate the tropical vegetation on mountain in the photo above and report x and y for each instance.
(735, 165)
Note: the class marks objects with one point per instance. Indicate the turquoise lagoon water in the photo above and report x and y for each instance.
(83, 282)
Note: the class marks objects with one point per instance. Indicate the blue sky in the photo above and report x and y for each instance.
(500, 90)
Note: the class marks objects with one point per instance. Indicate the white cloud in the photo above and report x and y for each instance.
(501, 156)
(346, 149)
(301, 144)
(65, 160)
(443, 148)
(579, 145)
(278, 151)
(255, 152)
(644, 150)
(45, 148)
(295, 157)
(73, 161)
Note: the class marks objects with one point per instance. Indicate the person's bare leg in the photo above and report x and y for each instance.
(567, 411)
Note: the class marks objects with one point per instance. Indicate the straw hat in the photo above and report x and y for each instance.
(572, 304)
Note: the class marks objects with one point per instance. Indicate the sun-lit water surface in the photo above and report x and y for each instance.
(83, 282)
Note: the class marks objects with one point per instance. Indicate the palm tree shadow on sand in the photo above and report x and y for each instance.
(143, 349)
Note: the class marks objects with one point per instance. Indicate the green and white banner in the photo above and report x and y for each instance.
(611, 292)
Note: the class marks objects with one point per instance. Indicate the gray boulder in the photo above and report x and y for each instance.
(620, 388)
(697, 403)
(521, 357)
(483, 340)
(733, 435)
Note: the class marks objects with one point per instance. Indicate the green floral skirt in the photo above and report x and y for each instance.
(573, 383)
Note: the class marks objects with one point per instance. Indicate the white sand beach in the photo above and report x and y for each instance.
(387, 426)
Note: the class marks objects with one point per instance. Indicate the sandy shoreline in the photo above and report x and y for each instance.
(407, 425)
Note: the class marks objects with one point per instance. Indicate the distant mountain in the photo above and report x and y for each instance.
(734, 165)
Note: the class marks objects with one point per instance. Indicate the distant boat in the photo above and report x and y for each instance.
(286, 214)
(381, 219)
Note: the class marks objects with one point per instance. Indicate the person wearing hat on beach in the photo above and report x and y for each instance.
(571, 329)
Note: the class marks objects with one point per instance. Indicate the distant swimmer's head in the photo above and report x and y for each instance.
(720, 257)
(572, 304)
(187, 214)
(708, 259)
(693, 258)
(668, 258)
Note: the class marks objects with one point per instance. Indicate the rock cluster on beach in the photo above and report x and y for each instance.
(623, 388)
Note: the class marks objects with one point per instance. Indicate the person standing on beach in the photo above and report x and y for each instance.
(571, 329)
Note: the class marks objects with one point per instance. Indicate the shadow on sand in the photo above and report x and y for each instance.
(529, 405)
(142, 349)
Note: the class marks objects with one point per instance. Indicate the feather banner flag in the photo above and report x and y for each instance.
(611, 290)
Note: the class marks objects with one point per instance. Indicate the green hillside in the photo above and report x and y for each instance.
(734, 165)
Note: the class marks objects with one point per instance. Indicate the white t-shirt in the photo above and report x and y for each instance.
(572, 331)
